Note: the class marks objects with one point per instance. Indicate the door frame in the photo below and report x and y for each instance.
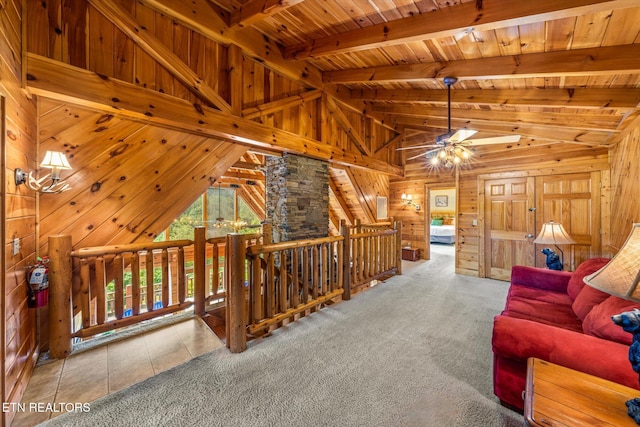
(428, 187)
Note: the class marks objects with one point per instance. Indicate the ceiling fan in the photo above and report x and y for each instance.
(451, 148)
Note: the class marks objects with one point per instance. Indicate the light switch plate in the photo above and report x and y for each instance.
(16, 246)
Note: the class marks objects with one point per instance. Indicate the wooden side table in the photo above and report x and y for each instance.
(559, 396)
(409, 254)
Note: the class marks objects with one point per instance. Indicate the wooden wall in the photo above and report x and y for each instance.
(418, 174)
(19, 117)
(625, 177)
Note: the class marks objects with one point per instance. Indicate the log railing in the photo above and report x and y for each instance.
(261, 284)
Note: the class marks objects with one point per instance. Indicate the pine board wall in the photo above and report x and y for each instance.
(19, 117)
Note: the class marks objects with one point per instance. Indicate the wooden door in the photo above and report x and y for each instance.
(572, 200)
(509, 221)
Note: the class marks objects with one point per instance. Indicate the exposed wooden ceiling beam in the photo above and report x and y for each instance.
(160, 52)
(201, 17)
(450, 21)
(255, 11)
(281, 104)
(596, 61)
(53, 79)
(497, 129)
(598, 122)
(247, 166)
(394, 140)
(573, 98)
(243, 175)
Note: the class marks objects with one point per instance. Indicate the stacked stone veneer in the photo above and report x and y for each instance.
(297, 192)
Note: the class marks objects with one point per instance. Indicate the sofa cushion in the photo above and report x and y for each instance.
(589, 266)
(559, 315)
(599, 324)
(587, 299)
(527, 292)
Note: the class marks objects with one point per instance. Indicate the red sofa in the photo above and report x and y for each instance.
(554, 316)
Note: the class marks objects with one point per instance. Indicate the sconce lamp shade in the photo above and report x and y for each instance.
(56, 161)
(621, 276)
(553, 234)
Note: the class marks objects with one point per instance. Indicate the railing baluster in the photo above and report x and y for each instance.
(118, 273)
(84, 293)
(316, 272)
(305, 275)
(182, 277)
(215, 267)
(165, 277)
(135, 283)
(149, 273)
(282, 293)
(295, 284)
(255, 289)
(270, 286)
(101, 300)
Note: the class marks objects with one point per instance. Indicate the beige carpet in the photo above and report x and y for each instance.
(412, 351)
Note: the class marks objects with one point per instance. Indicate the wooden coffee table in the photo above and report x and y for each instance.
(559, 396)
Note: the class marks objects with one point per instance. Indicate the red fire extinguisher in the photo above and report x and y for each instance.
(38, 289)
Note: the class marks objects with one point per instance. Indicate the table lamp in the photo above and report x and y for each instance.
(554, 234)
(620, 277)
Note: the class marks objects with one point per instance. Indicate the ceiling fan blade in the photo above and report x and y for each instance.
(461, 135)
(416, 147)
(506, 139)
(423, 154)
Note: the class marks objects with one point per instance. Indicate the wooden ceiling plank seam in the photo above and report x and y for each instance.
(160, 52)
(450, 21)
(609, 60)
(344, 122)
(86, 88)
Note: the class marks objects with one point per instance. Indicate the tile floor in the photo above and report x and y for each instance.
(93, 373)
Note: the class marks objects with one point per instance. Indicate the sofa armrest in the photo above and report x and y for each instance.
(520, 339)
(540, 278)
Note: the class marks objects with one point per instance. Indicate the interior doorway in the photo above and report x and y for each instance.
(440, 215)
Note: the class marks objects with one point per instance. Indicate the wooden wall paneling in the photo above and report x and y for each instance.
(145, 65)
(235, 78)
(38, 28)
(101, 57)
(625, 175)
(215, 163)
(164, 33)
(18, 116)
(124, 62)
(74, 32)
(105, 192)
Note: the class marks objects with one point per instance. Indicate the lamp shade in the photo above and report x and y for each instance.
(55, 160)
(621, 275)
(553, 234)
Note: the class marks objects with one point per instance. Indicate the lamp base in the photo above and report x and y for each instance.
(633, 409)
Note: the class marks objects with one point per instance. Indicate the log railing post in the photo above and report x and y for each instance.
(237, 338)
(345, 231)
(398, 226)
(60, 296)
(199, 269)
(266, 233)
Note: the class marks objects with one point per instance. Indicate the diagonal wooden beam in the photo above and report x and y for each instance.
(579, 62)
(344, 122)
(362, 198)
(160, 52)
(396, 139)
(573, 98)
(255, 11)
(343, 204)
(200, 16)
(281, 104)
(53, 79)
(450, 21)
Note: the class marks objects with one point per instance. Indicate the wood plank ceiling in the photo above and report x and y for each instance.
(563, 74)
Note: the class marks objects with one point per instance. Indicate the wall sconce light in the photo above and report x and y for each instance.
(406, 200)
(54, 160)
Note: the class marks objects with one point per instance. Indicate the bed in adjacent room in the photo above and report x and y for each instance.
(442, 228)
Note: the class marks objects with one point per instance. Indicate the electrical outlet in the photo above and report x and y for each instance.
(474, 222)
(16, 246)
